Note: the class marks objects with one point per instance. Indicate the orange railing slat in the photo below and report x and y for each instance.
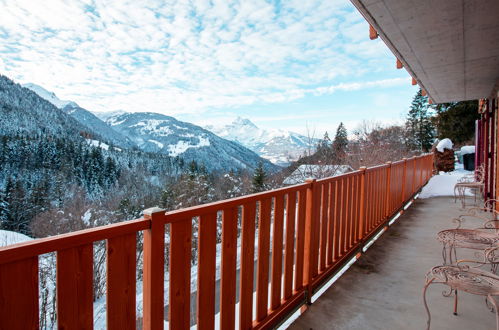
(180, 274)
(289, 244)
(262, 280)
(121, 286)
(207, 248)
(228, 281)
(277, 245)
(19, 294)
(75, 288)
(247, 266)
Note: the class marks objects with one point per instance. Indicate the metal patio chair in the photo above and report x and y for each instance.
(477, 238)
(462, 277)
(474, 182)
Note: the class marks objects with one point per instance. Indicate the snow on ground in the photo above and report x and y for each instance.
(159, 144)
(98, 144)
(10, 237)
(153, 126)
(182, 146)
(443, 183)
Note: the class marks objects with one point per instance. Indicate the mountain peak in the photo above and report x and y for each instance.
(243, 122)
(47, 95)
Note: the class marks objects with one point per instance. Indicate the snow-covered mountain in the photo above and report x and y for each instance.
(155, 132)
(279, 146)
(90, 120)
(84, 117)
(152, 132)
(49, 96)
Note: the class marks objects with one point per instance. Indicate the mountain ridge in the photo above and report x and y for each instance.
(155, 132)
(278, 146)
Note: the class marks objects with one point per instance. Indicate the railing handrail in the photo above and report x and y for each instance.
(69, 240)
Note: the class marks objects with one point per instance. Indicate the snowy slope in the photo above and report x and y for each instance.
(49, 96)
(84, 117)
(279, 146)
(97, 125)
(153, 132)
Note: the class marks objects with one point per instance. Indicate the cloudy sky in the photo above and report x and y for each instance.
(298, 65)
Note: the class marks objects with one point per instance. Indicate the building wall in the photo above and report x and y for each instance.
(487, 146)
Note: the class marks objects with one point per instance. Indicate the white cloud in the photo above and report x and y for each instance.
(183, 57)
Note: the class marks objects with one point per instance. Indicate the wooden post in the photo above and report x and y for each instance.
(414, 159)
(404, 175)
(362, 203)
(422, 166)
(388, 190)
(309, 262)
(154, 273)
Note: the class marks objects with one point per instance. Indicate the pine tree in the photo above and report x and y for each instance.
(420, 129)
(259, 178)
(456, 121)
(5, 212)
(340, 143)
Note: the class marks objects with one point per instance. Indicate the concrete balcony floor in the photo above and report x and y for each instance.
(383, 289)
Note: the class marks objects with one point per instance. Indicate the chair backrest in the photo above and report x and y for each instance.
(480, 173)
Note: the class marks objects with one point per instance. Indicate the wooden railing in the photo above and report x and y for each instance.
(304, 233)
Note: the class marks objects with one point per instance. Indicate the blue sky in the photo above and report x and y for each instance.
(298, 65)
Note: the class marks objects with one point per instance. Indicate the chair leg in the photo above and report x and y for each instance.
(455, 302)
(493, 301)
(426, 304)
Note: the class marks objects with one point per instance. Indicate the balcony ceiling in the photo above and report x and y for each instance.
(450, 46)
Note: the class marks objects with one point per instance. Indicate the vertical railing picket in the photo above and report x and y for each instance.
(404, 176)
(362, 203)
(388, 189)
(180, 274)
(308, 258)
(207, 246)
(277, 247)
(121, 284)
(262, 281)
(19, 294)
(228, 271)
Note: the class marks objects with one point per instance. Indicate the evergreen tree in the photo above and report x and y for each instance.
(456, 121)
(5, 212)
(420, 129)
(259, 178)
(340, 143)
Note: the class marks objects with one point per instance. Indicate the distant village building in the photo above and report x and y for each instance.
(310, 171)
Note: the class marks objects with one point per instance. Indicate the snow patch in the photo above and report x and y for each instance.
(159, 144)
(10, 237)
(443, 183)
(98, 144)
(153, 126)
(467, 150)
(86, 217)
(182, 146)
(444, 144)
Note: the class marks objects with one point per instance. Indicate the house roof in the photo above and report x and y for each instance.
(312, 171)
